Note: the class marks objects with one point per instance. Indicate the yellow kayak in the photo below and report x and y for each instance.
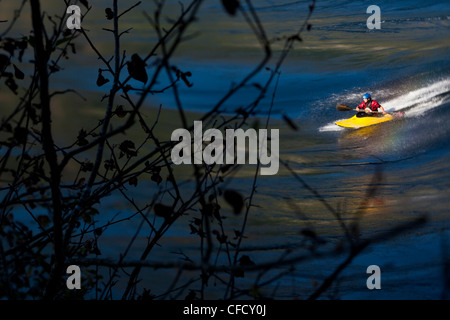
(363, 120)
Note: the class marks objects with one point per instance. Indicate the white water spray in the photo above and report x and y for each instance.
(420, 100)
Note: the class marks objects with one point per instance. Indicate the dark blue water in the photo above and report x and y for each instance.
(339, 60)
(405, 66)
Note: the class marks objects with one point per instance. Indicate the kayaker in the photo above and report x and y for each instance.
(369, 106)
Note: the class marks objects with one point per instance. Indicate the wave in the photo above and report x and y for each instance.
(417, 102)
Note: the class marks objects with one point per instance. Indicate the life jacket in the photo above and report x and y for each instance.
(372, 104)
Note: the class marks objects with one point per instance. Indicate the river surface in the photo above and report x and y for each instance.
(405, 66)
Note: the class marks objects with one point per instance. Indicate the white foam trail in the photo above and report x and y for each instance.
(331, 127)
(421, 100)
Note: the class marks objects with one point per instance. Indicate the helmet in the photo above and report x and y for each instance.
(366, 96)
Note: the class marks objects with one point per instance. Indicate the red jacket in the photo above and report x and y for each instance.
(372, 104)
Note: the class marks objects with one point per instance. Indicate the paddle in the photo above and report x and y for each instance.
(343, 107)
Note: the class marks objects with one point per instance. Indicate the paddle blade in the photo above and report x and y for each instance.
(342, 107)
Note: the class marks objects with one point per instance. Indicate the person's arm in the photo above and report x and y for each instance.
(382, 109)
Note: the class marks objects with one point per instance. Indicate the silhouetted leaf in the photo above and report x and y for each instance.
(238, 234)
(184, 76)
(85, 3)
(235, 199)
(211, 209)
(72, 46)
(101, 80)
(243, 262)
(31, 41)
(20, 135)
(136, 68)
(162, 210)
(120, 112)
(194, 230)
(308, 233)
(81, 139)
(43, 220)
(88, 244)
(67, 33)
(128, 148)
(81, 183)
(9, 45)
(246, 261)
(127, 88)
(231, 6)
(296, 37)
(146, 295)
(242, 112)
(87, 215)
(18, 74)
(221, 238)
(87, 166)
(109, 14)
(238, 273)
(156, 177)
(133, 181)
(257, 86)
(110, 164)
(96, 250)
(226, 167)
(4, 61)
